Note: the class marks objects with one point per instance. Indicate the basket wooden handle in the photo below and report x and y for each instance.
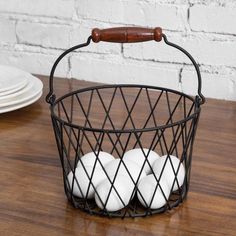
(126, 34)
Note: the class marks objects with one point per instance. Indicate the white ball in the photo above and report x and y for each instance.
(113, 201)
(147, 188)
(133, 168)
(168, 172)
(90, 158)
(136, 155)
(80, 189)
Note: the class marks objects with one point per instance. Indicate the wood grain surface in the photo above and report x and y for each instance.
(32, 199)
(126, 34)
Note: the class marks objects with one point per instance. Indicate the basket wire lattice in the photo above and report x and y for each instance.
(117, 118)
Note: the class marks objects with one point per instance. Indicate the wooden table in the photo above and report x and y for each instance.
(32, 200)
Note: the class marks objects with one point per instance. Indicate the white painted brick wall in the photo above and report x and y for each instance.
(35, 62)
(120, 71)
(205, 51)
(145, 13)
(33, 34)
(44, 35)
(225, 82)
(216, 19)
(7, 31)
(51, 8)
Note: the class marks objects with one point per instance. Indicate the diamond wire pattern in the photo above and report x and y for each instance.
(74, 142)
(79, 130)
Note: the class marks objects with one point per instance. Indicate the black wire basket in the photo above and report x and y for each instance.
(101, 122)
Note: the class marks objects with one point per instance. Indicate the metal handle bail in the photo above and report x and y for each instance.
(202, 98)
(51, 97)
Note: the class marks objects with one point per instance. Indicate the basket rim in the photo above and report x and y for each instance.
(132, 130)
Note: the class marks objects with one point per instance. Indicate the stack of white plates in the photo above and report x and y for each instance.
(17, 89)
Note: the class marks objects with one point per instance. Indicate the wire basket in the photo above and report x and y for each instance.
(113, 119)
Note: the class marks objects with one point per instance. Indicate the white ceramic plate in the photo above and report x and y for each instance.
(5, 93)
(23, 90)
(36, 88)
(11, 79)
(21, 105)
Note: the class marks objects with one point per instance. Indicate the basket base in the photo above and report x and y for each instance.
(134, 209)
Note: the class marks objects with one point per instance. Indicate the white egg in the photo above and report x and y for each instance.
(83, 184)
(90, 158)
(125, 168)
(120, 194)
(168, 172)
(138, 156)
(147, 188)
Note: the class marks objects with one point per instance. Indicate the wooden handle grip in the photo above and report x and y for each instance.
(126, 34)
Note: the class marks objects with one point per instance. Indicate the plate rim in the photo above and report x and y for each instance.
(8, 92)
(29, 96)
(24, 89)
(16, 85)
(21, 105)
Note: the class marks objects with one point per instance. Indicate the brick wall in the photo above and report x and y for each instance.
(34, 33)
